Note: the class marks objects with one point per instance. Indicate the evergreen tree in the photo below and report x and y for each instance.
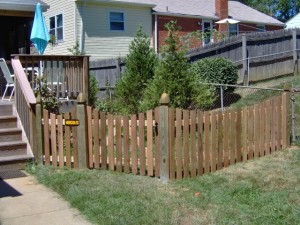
(172, 76)
(140, 64)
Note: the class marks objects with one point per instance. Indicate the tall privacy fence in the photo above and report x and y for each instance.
(166, 142)
(258, 56)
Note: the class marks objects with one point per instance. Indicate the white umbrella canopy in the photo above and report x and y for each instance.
(228, 20)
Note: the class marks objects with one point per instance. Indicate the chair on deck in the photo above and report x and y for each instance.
(8, 77)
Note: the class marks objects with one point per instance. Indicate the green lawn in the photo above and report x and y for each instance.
(263, 191)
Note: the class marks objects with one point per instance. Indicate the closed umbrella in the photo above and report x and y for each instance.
(39, 33)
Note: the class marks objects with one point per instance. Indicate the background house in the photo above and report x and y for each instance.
(294, 22)
(103, 29)
(193, 15)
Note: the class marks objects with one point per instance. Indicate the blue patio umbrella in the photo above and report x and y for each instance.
(39, 33)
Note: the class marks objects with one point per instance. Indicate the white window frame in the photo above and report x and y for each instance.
(211, 40)
(236, 32)
(55, 28)
(109, 21)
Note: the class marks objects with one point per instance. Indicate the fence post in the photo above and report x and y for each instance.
(163, 129)
(285, 120)
(39, 130)
(294, 46)
(82, 132)
(245, 71)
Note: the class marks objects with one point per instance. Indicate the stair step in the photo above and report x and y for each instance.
(12, 146)
(14, 162)
(10, 134)
(8, 122)
(6, 109)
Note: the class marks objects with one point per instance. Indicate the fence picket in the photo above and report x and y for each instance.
(90, 135)
(220, 140)
(46, 137)
(142, 144)
(206, 142)
(256, 131)
(273, 125)
(157, 147)
(268, 121)
(226, 138)
(150, 142)
(250, 132)
(111, 142)
(96, 139)
(67, 142)
(200, 142)
(126, 144)
(53, 139)
(75, 140)
(193, 143)
(279, 123)
(118, 144)
(134, 144)
(60, 137)
(232, 116)
(186, 155)
(171, 141)
(262, 129)
(245, 133)
(103, 140)
(178, 144)
(213, 141)
(238, 135)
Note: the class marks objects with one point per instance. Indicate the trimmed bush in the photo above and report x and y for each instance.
(215, 70)
(140, 65)
(172, 76)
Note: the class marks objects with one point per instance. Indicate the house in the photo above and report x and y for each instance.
(193, 15)
(102, 28)
(105, 28)
(293, 22)
(16, 18)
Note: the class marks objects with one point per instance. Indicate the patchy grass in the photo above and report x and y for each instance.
(264, 191)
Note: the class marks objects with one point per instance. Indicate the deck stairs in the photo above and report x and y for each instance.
(15, 150)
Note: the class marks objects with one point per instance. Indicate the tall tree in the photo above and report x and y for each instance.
(281, 9)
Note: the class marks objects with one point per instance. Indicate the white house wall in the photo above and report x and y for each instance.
(294, 22)
(67, 8)
(99, 41)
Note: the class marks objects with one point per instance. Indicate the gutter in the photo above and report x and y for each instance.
(185, 16)
(22, 6)
(118, 3)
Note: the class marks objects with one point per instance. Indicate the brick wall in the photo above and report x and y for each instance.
(187, 25)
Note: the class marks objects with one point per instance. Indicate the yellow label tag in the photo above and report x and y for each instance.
(73, 122)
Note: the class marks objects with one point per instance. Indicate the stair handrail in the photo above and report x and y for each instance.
(21, 77)
(26, 104)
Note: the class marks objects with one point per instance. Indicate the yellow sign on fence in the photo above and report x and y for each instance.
(72, 122)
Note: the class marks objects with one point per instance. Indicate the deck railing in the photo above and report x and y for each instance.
(65, 75)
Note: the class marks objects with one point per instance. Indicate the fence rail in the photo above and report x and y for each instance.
(198, 142)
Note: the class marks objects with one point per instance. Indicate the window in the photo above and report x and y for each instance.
(56, 27)
(207, 32)
(116, 20)
(233, 29)
(260, 28)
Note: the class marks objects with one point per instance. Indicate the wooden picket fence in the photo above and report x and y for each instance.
(199, 142)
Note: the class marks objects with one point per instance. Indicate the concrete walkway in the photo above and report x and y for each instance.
(24, 201)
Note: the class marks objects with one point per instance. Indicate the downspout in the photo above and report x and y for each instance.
(155, 34)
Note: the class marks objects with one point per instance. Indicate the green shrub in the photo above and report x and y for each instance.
(172, 76)
(140, 65)
(93, 90)
(215, 70)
